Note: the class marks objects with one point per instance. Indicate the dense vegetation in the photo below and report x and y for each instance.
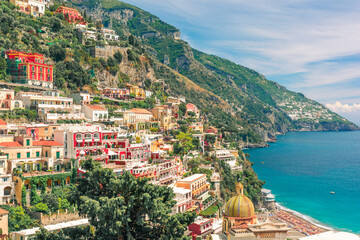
(122, 207)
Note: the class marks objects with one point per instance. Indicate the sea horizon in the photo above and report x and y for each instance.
(307, 189)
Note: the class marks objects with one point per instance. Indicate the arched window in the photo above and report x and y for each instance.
(96, 135)
(7, 191)
(17, 104)
(87, 136)
(78, 136)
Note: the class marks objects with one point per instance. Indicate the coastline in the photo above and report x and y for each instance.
(329, 224)
(305, 218)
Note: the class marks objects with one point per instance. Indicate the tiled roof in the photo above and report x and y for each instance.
(10, 144)
(46, 143)
(96, 107)
(190, 106)
(3, 211)
(140, 110)
(2, 122)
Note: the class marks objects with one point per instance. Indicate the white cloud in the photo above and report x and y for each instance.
(343, 108)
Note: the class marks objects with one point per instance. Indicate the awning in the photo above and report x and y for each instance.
(82, 152)
(112, 153)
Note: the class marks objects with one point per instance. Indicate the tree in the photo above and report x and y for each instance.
(185, 142)
(182, 109)
(75, 233)
(40, 207)
(57, 52)
(51, 201)
(118, 57)
(126, 207)
(18, 219)
(147, 83)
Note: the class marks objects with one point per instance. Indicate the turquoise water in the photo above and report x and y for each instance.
(302, 168)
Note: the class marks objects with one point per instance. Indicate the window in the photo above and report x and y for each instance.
(1, 164)
(78, 136)
(57, 154)
(46, 154)
(28, 154)
(46, 129)
(96, 136)
(27, 142)
(37, 154)
(7, 155)
(87, 136)
(18, 155)
(5, 179)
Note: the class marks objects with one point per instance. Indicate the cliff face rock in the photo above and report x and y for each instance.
(123, 15)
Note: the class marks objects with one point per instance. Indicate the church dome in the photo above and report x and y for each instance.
(240, 206)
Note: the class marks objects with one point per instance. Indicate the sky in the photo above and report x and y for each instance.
(309, 46)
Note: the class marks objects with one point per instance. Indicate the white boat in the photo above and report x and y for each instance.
(332, 192)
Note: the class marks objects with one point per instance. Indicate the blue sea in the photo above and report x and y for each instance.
(302, 169)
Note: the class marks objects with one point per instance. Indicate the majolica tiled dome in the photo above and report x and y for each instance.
(240, 206)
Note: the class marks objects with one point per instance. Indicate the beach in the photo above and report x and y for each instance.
(300, 226)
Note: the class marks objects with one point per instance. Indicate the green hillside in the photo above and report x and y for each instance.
(241, 102)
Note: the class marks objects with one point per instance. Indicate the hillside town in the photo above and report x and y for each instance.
(49, 137)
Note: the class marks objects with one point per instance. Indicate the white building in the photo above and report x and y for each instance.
(38, 5)
(95, 112)
(183, 200)
(109, 34)
(6, 184)
(50, 106)
(29, 233)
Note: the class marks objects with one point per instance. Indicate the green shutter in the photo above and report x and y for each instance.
(37, 154)
(18, 155)
(28, 154)
(27, 142)
(57, 154)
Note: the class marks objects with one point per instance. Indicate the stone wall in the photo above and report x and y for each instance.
(55, 218)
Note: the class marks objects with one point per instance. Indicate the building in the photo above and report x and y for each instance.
(137, 92)
(192, 108)
(7, 100)
(198, 185)
(197, 127)
(35, 8)
(4, 222)
(240, 221)
(6, 184)
(50, 106)
(117, 93)
(27, 155)
(29, 68)
(163, 114)
(27, 234)
(201, 228)
(109, 34)
(95, 112)
(71, 15)
(183, 200)
(137, 118)
(82, 98)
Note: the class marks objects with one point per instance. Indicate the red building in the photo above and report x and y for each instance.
(29, 68)
(71, 15)
(116, 93)
(201, 228)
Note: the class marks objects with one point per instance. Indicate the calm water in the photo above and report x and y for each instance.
(302, 168)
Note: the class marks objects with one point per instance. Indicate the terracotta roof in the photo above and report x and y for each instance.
(10, 144)
(2, 122)
(140, 110)
(46, 143)
(3, 211)
(190, 106)
(96, 107)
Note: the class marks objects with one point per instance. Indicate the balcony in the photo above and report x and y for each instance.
(64, 116)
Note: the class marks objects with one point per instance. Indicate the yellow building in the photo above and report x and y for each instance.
(137, 91)
(27, 155)
(163, 114)
(198, 185)
(4, 225)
